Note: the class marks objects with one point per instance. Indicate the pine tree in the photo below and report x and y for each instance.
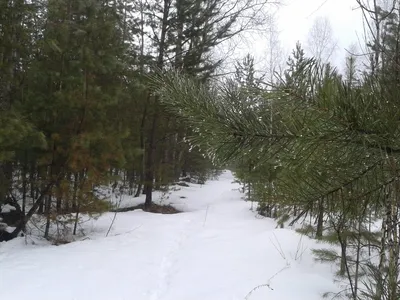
(16, 31)
(184, 34)
(329, 148)
(74, 88)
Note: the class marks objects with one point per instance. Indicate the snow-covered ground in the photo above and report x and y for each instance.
(216, 250)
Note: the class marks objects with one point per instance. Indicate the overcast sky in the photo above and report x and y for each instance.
(294, 18)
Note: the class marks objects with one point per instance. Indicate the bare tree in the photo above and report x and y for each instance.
(253, 26)
(275, 56)
(321, 43)
(376, 14)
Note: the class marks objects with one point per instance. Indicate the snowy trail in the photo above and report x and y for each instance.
(168, 262)
(189, 230)
(216, 250)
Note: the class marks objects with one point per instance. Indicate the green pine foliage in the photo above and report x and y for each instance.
(78, 110)
(121, 94)
(317, 144)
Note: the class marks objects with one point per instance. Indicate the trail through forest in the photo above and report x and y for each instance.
(216, 249)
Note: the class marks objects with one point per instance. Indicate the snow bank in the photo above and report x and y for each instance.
(7, 208)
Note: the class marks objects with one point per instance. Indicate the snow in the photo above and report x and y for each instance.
(7, 208)
(217, 249)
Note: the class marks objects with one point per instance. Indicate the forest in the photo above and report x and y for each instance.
(78, 109)
(131, 96)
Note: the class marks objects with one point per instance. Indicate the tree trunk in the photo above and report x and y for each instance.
(24, 182)
(76, 219)
(382, 253)
(33, 209)
(59, 199)
(179, 40)
(149, 166)
(320, 222)
(48, 215)
(6, 172)
(75, 193)
(150, 159)
(32, 179)
(343, 259)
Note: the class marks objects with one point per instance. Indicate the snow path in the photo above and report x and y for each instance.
(216, 250)
(168, 261)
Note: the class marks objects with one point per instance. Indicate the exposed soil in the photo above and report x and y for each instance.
(155, 208)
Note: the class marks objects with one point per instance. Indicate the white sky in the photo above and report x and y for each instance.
(294, 19)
